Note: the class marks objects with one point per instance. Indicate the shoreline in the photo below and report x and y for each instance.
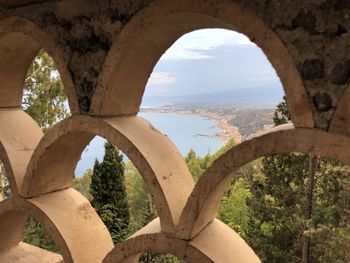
(226, 131)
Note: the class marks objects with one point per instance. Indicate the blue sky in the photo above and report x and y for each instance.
(210, 60)
(201, 62)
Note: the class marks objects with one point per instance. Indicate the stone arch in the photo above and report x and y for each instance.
(20, 42)
(16, 146)
(340, 122)
(146, 37)
(69, 219)
(204, 201)
(161, 165)
(216, 243)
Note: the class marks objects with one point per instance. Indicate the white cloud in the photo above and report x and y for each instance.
(161, 78)
(195, 44)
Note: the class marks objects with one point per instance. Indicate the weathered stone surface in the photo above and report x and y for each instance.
(341, 72)
(86, 31)
(105, 51)
(67, 216)
(204, 201)
(163, 168)
(29, 254)
(323, 101)
(312, 69)
(305, 20)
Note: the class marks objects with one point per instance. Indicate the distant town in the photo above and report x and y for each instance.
(235, 123)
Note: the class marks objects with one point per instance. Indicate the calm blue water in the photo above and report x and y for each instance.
(183, 130)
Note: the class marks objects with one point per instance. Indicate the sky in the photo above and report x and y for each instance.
(202, 62)
(210, 60)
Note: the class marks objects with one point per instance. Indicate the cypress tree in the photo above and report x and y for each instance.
(109, 193)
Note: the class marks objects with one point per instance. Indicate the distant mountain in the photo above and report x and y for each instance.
(262, 96)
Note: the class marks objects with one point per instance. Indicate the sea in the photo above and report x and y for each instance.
(185, 131)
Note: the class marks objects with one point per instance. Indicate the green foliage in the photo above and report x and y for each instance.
(282, 114)
(5, 191)
(155, 257)
(234, 210)
(109, 193)
(83, 183)
(275, 208)
(141, 207)
(35, 234)
(197, 165)
(44, 97)
(142, 211)
(45, 101)
(267, 203)
(292, 203)
(221, 151)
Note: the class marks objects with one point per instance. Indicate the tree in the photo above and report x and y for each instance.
(109, 193)
(282, 114)
(234, 210)
(5, 191)
(141, 207)
(195, 164)
(82, 184)
(36, 235)
(45, 101)
(294, 201)
(44, 98)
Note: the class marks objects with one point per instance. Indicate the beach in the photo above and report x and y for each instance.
(226, 131)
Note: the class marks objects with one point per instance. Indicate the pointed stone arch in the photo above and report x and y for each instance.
(157, 159)
(67, 216)
(202, 205)
(20, 42)
(145, 38)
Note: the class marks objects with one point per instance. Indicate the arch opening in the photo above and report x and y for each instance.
(44, 103)
(287, 203)
(5, 190)
(115, 188)
(150, 151)
(170, 21)
(20, 42)
(210, 87)
(44, 97)
(35, 234)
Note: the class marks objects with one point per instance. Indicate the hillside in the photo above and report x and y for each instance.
(250, 121)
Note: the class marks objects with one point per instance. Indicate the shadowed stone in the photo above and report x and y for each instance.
(341, 73)
(105, 52)
(312, 69)
(322, 101)
(307, 21)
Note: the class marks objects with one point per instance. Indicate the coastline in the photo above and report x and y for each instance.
(226, 131)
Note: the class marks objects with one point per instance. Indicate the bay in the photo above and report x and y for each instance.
(185, 131)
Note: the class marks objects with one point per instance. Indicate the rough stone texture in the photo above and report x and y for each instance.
(84, 31)
(30, 254)
(16, 146)
(312, 30)
(67, 216)
(196, 250)
(315, 33)
(163, 168)
(204, 201)
(341, 73)
(105, 51)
